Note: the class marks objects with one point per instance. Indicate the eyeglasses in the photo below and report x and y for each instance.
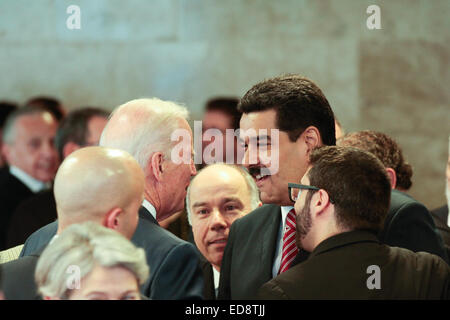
(296, 189)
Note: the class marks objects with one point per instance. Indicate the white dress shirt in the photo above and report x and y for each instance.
(33, 184)
(216, 276)
(279, 249)
(147, 205)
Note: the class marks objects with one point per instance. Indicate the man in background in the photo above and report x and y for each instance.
(440, 215)
(80, 128)
(217, 196)
(408, 223)
(32, 160)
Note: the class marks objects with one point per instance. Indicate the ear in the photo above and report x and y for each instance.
(392, 177)
(320, 201)
(111, 220)
(311, 136)
(156, 165)
(70, 147)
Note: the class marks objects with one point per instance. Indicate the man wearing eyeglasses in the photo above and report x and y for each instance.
(340, 207)
(261, 245)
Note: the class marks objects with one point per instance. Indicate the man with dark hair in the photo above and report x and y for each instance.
(52, 105)
(337, 219)
(283, 120)
(408, 223)
(32, 160)
(81, 128)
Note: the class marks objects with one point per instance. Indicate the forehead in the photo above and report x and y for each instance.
(34, 124)
(217, 183)
(216, 119)
(259, 120)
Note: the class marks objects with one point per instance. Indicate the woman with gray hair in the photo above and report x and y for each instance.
(89, 261)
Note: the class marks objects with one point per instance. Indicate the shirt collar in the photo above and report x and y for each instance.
(33, 184)
(284, 212)
(216, 276)
(150, 208)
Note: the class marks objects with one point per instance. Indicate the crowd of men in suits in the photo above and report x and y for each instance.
(331, 219)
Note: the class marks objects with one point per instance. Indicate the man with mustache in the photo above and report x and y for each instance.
(217, 196)
(340, 207)
(283, 120)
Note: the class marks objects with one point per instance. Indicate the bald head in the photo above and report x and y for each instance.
(94, 182)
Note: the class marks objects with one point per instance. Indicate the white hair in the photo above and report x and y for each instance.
(142, 127)
(85, 245)
(252, 188)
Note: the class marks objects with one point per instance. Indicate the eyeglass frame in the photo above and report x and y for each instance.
(301, 187)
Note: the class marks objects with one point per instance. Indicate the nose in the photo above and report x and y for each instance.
(217, 221)
(251, 157)
(48, 150)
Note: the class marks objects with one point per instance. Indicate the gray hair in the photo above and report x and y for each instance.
(142, 127)
(83, 246)
(9, 129)
(251, 187)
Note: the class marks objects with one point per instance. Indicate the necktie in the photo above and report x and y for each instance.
(289, 247)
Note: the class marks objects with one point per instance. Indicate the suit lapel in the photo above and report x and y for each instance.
(269, 239)
(145, 214)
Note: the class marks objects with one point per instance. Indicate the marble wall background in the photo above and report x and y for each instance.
(393, 80)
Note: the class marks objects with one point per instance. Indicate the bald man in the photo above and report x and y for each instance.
(102, 185)
(217, 196)
(80, 128)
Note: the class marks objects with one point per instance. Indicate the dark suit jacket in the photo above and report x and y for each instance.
(12, 193)
(18, 278)
(249, 255)
(409, 225)
(174, 263)
(338, 269)
(209, 292)
(440, 217)
(32, 214)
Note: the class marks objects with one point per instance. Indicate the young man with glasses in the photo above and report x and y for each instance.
(340, 207)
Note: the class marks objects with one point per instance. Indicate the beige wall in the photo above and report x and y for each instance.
(393, 80)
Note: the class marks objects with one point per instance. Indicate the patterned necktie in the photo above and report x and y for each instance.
(289, 247)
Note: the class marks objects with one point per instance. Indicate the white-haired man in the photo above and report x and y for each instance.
(145, 128)
(217, 196)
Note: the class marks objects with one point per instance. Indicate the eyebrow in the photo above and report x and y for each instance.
(199, 204)
(230, 199)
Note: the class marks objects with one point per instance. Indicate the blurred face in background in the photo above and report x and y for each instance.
(33, 150)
